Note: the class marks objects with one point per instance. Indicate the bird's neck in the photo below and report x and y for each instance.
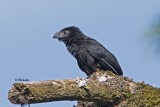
(74, 46)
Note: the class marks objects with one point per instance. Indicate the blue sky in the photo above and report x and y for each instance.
(27, 49)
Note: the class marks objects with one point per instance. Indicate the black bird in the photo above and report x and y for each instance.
(90, 54)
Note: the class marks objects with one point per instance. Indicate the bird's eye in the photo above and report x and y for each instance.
(64, 32)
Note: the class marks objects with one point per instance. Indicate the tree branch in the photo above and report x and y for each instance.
(102, 88)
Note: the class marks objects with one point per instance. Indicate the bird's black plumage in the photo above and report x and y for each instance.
(90, 54)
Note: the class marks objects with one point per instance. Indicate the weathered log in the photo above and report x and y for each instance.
(102, 88)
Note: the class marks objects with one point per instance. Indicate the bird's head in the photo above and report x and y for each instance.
(68, 34)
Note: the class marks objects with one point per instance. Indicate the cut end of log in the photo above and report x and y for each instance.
(18, 94)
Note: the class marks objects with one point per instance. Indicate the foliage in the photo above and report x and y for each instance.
(153, 35)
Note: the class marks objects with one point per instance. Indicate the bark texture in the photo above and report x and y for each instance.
(102, 88)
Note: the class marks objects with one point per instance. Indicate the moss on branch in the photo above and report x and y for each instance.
(102, 88)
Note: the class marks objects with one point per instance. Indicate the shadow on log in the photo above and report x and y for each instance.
(102, 88)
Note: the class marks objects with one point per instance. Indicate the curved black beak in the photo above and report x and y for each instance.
(56, 35)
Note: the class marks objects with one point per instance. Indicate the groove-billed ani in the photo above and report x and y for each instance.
(90, 54)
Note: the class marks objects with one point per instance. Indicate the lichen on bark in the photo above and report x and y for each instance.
(101, 88)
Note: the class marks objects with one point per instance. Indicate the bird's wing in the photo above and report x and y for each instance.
(102, 54)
